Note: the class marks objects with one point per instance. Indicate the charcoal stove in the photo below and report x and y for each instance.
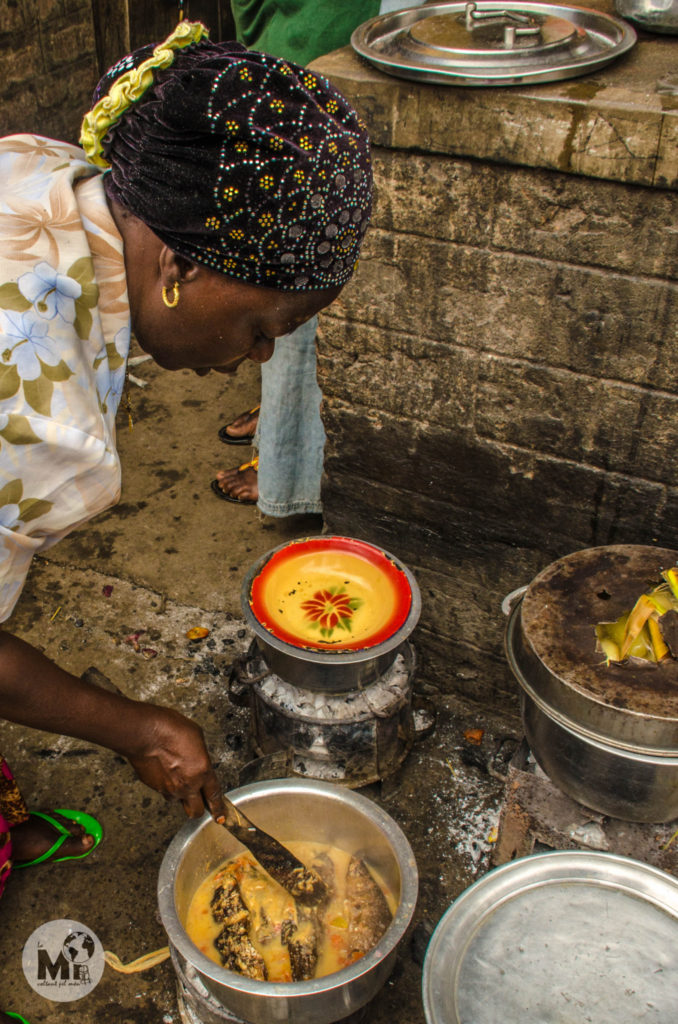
(352, 738)
(336, 698)
(605, 734)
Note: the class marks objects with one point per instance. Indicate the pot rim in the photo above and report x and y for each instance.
(291, 989)
(558, 701)
(329, 658)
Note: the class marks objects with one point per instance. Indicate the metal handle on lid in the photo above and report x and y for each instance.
(515, 25)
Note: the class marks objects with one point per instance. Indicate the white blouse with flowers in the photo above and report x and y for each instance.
(64, 341)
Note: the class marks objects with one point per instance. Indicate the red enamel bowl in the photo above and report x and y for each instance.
(330, 611)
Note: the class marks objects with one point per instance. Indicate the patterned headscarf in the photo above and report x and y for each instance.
(236, 159)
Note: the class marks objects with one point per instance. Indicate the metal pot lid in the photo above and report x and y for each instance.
(561, 936)
(492, 43)
(552, 646)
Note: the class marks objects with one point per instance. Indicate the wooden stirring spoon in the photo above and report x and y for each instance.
(304, 884)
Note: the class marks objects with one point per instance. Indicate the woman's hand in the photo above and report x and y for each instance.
(166, 750)
(170, 756)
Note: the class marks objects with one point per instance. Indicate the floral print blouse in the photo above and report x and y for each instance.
(64, 341)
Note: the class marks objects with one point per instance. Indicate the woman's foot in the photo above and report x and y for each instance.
(241, 430)
(35, 836)
(240, 485)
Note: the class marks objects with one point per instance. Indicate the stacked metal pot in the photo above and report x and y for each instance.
(605, 733)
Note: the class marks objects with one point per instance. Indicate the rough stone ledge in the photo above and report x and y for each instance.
(616, 124)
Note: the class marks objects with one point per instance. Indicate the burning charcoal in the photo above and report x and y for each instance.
(368, 912)
(233, 943)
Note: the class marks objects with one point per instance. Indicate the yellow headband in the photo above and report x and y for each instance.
(130, 87)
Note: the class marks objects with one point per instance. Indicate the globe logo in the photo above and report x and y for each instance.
(63, 969)
(79, 947)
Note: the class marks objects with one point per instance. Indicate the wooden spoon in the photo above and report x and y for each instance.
(304, 884)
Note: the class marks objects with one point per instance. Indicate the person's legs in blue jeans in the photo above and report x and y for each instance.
(289, 437)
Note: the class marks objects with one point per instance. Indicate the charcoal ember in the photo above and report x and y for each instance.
(501, 760)
(233, 943)
(368, 912)
(475, 757)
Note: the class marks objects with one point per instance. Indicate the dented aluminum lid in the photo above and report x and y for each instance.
(552, 650)
(556, 937)
(487, 42)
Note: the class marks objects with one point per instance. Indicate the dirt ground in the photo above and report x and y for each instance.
(169, 557)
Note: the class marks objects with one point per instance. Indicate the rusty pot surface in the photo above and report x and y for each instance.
(607, 735)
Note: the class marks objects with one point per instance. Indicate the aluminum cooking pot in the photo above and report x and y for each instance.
(653, 15)
(607, 736)
(301, 810)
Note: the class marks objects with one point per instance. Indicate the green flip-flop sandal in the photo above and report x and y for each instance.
(90, 825)
(16, 1016)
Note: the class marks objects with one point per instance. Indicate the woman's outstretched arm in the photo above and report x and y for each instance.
(166, 749)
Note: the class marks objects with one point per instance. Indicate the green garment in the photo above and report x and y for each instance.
(299, 30)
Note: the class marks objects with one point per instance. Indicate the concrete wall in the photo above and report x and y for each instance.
(53, 52)
(48, 66)
(500, 388)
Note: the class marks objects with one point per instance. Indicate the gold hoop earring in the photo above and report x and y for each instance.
(174, 301)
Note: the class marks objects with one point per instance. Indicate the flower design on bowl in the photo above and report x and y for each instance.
(330, 593)
(331, 609)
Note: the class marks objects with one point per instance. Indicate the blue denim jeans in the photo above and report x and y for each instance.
(290, 437)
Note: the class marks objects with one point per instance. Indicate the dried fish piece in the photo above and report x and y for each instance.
(301, 940)
(274, 916)
(233, 943)
(323, 866)
(367, 910)
(264, 933)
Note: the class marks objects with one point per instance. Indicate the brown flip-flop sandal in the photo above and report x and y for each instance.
(254, 464)
(244, 439)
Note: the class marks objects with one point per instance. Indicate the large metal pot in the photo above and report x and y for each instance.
(302, 810)
(605, 735)
(329, 671)
(652, 15)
